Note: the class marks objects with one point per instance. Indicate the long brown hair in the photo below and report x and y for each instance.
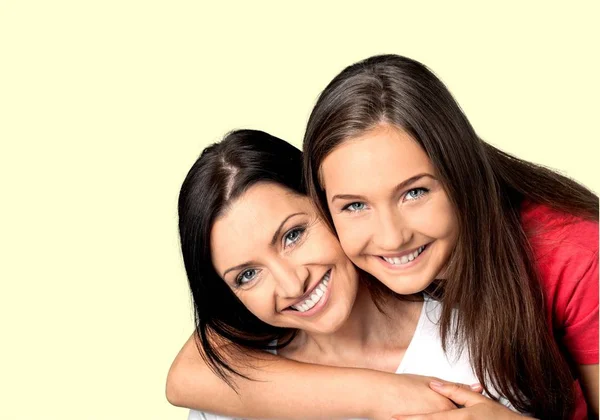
(501, 317)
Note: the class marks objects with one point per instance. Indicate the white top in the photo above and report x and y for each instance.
(424, 356)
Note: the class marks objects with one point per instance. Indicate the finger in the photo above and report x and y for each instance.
(477, 387)
(461, 395)
(443, 415)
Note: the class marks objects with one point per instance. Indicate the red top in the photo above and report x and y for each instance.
(566, 251)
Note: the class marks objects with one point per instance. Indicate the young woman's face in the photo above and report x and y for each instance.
(282, 262)
(392, 216)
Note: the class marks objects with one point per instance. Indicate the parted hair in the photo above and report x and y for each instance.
(222, 173)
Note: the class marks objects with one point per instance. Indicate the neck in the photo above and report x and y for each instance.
(369, 337)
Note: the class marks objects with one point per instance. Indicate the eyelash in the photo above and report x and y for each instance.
(423, 191)
(347, 207)
(300, 229)
(238, 279)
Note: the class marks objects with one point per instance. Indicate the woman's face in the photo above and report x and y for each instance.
(282, 262)
(392, 216)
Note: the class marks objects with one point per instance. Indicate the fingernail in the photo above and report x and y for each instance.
(475, 387)
(436, 384)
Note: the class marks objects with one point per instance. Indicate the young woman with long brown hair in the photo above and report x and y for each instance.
(424, 205)
(385, 141)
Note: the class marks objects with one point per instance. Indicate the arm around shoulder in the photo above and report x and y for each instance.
(285, 389)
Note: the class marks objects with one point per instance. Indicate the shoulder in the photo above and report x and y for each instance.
(559, 239)
(565, 249)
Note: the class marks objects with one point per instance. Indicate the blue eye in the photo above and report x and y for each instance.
(292, 236)
(416, 193)
(246, 276)
(355, 207)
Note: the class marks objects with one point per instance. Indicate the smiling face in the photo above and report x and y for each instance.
(393, 218)
(282, 261)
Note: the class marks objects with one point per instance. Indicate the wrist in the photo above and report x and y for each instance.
(368, 392)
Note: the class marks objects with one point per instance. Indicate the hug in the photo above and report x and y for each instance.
(397, 256)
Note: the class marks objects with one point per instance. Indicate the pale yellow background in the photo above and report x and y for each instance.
(104, 106)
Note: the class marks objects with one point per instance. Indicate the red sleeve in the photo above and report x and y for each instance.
(566, 252)
(581, 317)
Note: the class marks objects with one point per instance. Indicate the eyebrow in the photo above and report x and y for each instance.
(397, 188)
(273, 241)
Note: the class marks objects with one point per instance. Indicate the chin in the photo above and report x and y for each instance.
(405, 286)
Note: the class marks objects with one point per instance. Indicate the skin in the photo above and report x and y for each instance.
(284, 388)
(384, 207)
(476, 406)
(281, 255)
(588, 377)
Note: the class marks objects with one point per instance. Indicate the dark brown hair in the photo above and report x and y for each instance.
(222, 173)
(492, 279)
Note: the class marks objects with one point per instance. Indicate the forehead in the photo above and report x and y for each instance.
(381, 157)
(249, 223)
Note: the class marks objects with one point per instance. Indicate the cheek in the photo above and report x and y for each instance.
(436, 219)
(258, 302)
(352, 235)
(326, 246)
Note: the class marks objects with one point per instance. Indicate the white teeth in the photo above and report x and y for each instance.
(315, 296)
(405, 258)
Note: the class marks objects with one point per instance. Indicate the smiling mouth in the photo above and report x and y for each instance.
(406, 258)
(315, 296)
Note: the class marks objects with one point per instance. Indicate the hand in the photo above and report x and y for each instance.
(408, 394)
(476, 406)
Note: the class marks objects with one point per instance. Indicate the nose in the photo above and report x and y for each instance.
(390, 231)
(291, 280)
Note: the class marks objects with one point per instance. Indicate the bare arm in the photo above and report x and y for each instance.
(287, 389)
(475, 406)
(588, 377)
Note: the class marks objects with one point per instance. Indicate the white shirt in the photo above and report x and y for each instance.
(424, 356)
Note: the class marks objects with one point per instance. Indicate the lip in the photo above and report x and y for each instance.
(399, 255)
(322, 302)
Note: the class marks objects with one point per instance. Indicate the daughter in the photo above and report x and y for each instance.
(395, 166)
